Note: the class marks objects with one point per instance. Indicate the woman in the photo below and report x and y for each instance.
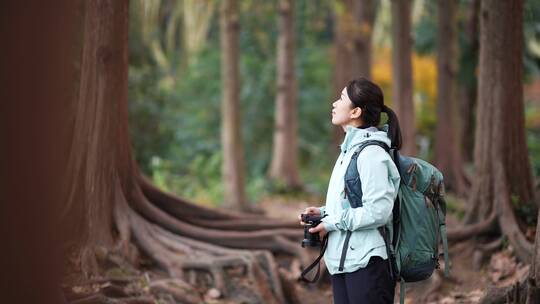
(363, 275)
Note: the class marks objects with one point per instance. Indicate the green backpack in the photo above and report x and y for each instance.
(418, 218)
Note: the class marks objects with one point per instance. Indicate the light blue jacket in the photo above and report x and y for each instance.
(380, 183)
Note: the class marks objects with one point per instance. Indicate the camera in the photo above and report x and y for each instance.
(310, 239)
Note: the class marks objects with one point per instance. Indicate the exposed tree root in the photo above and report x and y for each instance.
(483, 251)
(244, 275)
(269, 239)
(210, 218)
(102, 299)
(178, 289)
(467, 231)
(508, 222)
(516, 293)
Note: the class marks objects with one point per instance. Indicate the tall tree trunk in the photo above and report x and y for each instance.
(503, 173)
(231, 136)
(364, 18)
(469, 88)
(447, 140)
(354, 21)
(284, 165)
(343, 56)
(402, 85)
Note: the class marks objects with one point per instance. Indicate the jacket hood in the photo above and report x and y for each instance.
(355, 136)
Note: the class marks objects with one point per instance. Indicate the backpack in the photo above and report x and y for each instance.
(418, 217)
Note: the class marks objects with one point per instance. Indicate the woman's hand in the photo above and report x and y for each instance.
(319, 229)
(309, 211)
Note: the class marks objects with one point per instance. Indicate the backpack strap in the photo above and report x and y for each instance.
(382, 230)
(315, 263)
(442, 233)
(402, 291)
(394, 273)
(344, 251)
(394, 153)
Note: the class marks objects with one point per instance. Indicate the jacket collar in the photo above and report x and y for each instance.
(355, 136)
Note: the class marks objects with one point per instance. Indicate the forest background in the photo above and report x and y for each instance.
(175, 89)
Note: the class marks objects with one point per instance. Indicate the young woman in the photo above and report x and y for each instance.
(363, 275)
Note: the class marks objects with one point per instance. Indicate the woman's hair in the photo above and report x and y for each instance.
(369, 97)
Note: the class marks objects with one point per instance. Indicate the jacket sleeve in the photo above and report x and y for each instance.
(379, 189)
(322, 210)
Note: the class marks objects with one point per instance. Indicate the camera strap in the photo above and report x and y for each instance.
(315, 263)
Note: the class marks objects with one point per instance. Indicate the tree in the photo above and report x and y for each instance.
(468, 86)
(364, 12)
(284, 165)
(231, 136)
(354, 21)
(502, 170)
(118, 210)
(38, 87)
(402, 73)
(447, 135)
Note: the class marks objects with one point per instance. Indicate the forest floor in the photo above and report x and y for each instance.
(464, 285)
(150, 285)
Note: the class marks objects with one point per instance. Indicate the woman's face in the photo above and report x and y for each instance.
(343, 111)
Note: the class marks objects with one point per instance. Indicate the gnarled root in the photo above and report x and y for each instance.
(238, 274)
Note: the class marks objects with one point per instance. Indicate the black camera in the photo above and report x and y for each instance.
(311, 239)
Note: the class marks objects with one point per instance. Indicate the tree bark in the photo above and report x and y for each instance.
(448, 156)
(503, 175)
(231, 136)
(469, 88)
(402, 85)
(284, 165)
(364, 18)
(533, 294)
(354, 21)
(343, 54)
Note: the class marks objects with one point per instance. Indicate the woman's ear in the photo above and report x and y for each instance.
(356, 113)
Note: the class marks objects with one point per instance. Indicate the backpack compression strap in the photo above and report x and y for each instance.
(442, 233)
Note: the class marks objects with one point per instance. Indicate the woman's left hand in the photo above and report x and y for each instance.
(320, 229)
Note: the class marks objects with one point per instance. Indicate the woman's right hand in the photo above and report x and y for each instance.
(309, 211)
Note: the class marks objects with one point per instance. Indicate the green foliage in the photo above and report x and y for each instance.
(175, 113)
(175, 130)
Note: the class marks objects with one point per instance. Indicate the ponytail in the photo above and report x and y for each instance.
(394, 131)
(369, 97)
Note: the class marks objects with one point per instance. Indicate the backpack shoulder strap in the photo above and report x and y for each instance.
(361, 147)
(395, 210)
(371, 143)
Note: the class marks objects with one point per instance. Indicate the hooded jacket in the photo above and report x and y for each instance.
(380, 183)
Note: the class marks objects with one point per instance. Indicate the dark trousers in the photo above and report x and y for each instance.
(370, 285)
